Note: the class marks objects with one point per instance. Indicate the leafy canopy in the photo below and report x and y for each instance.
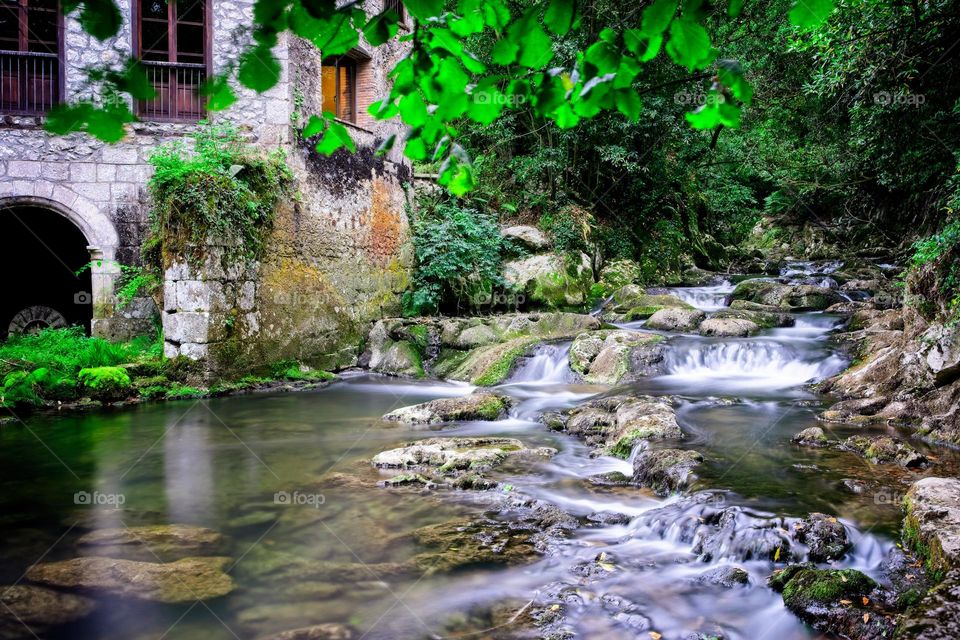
(440, 82)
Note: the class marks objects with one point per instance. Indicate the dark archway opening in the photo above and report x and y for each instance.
(42, 252)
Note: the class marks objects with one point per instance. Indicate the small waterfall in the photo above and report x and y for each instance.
(705, 298)
(550, 364)
(761, 363)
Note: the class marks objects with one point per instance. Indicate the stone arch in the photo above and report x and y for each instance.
(98, 229)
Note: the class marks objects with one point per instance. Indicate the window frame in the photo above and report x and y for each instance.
(136, 28)
(59, 84)
(352, 66)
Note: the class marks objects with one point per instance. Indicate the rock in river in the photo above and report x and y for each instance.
(29, 610)
(183, 581)
(675, 319)
(477, 406)
(932, 524)
(885, 450)
(612, 356)
(825, 537)
(153, 543)
(665, 470)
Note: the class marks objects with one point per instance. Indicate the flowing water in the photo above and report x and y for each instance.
(220, 463)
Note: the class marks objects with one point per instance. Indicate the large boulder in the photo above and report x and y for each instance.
(610, 356)
(477, 406)
(390, 350)
(182, 582)
(665, 471)
(152, 543)
(932, 523)
(837, 601)
(825, 536)
(675, 319)
(941, 351)
(550, 280)
(487, 366)
(619, 273)
(529, 238)
(937, 615)
(803, 297)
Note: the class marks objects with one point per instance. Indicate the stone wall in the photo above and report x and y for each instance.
(336, 258)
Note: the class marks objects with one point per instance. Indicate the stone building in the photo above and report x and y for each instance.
(336, 257)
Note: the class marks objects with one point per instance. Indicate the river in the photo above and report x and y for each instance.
(222, 463)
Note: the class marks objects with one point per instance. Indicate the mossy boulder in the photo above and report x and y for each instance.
(771, 293)
(610, 356)
(728, 328)
(885, 450)
(837, 601)
(182, 582)
(488, 366)
(825, 536)
(530, 238)
(935, 616)
(106, 384)
(665, 471)
(477, 406)
(396, 348)
(620, 273)
(473, 542)
(632, 302)
(811, 437)
(550, 280)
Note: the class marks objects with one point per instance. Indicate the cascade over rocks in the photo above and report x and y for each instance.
(481, 350)
(633, 302)
(665, 471)
(675, 319)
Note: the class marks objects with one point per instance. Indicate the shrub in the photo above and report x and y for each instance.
(67, 351)
(108, 384)
(223, 191)
(293, 370)
(457, 259)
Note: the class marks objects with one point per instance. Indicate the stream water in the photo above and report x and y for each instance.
(220, 463)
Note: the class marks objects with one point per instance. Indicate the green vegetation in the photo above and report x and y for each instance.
(222, 192)
(458, 258)
(108, 384)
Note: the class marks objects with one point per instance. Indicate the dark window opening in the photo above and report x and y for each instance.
(339, 87)
(53, 249)
(172, 41)
(30, 64)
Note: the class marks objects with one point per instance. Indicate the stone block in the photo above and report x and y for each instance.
(106, 172)
(96, 191)
(83, 172)
(195, 351)
(23, 169)
(186, 326)
(120, 155)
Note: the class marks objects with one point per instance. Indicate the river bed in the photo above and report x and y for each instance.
(287, 478)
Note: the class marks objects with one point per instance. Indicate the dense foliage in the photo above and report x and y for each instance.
(222, 192)
(458, 259)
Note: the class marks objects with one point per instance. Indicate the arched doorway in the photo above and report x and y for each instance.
(43, 252)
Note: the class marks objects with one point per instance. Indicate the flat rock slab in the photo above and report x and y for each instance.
(328, 631)
(451, 455)
(183, 581)
(158, 543)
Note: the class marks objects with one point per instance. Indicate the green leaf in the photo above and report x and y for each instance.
(808, 14)
(413, 110)
(134, 81)
(731, 75)
(99, 18)
(259, 70)
(385, 146)
(315, 126)
(335, 137)
(734, 8)
(66, 118)
(604, 57)
(219, 94)
(505, 52)
(383, 109)
(559, 15)
(338, 36)
(381, 28)
(629, 103)
(535, 46)
(424, 9)
(656, 17)
(689, 45)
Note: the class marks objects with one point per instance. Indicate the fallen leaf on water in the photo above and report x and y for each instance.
(776, 556)
(843, 577)
(655, 635)
(866, 617)
(846, 602)
(866, 600)
(554, 607)
(832, 519)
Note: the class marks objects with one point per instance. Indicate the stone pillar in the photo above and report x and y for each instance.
(209, 312)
